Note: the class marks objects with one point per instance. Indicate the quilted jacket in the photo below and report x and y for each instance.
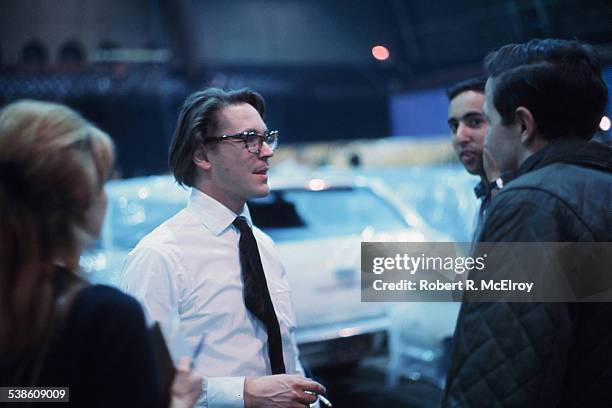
(541, 354)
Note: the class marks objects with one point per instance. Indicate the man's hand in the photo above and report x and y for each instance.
(280, 391)
(186, 387)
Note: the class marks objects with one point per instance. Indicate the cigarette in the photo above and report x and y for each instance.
(325, 401)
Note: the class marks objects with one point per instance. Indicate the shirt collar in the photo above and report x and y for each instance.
(481, 190)
(215, 216)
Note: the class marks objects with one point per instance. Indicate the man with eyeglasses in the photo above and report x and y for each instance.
(212, 271)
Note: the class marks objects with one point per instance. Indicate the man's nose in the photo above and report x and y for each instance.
(464, 133)
(265, 151)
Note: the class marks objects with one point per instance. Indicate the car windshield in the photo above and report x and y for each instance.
(296, 214)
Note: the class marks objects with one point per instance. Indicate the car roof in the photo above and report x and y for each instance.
(165, 188)
(165, 184)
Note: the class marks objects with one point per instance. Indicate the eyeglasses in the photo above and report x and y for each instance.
(253, 141)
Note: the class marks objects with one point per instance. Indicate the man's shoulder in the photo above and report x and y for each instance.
(159, 253)
(552, 184)
(565, 198)
(168, 232)
(557, 174)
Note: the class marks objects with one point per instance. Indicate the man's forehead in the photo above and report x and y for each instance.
(465, 103)
(240, 117)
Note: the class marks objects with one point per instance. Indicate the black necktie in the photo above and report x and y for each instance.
(256, 295)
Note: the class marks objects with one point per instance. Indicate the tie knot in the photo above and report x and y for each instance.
(241, 223)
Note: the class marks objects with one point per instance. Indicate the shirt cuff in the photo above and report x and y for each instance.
(223, 392)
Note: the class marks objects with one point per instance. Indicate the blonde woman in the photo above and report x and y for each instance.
(55, 329)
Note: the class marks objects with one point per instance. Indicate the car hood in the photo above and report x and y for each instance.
(325, 277)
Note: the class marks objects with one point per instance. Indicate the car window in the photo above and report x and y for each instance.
(294, 214)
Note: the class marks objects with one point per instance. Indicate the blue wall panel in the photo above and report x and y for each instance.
(424, 113)
(419, 114)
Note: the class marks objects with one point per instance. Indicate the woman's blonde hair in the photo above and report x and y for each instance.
(53, 164)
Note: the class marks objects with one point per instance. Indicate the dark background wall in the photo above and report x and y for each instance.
(137, 60)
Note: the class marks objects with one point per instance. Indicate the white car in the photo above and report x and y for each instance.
(317, 224)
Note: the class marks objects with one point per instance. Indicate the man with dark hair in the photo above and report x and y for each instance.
(544, 100)
(468, 128)
(215, 274)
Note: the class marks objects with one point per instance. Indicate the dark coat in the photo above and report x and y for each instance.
(541, 354)
(103, 354)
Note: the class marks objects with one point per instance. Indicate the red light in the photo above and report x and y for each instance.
(380, 52)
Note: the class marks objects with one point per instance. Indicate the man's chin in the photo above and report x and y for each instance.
(473, 168)
(472, 165)
(261, 191)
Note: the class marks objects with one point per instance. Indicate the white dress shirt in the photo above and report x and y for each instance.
(189, 268)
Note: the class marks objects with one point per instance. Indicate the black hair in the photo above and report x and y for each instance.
(559, 81)
(472, 84)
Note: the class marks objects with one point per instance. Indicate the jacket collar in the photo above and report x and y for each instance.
(574, 151)
(570, 151)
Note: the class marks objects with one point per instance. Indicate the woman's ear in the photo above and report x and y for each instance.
(200, 159)
(527, 124)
